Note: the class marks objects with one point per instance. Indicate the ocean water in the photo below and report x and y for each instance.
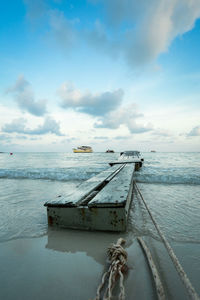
(169, 183)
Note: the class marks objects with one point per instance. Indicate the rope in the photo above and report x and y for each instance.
(118, 258)
(157, 281)
(190, 289)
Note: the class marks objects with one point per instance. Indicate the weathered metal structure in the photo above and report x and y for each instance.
(100, 203)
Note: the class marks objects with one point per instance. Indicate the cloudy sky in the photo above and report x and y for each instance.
(117, 74)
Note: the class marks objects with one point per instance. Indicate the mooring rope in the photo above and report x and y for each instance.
(190, 289)
(118, 258)
(157, 281)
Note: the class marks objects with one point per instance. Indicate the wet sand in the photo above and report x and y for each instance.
(68, 264)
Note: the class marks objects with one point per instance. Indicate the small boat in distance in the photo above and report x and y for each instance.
(153, 150)
(83, 149)
(110, 151)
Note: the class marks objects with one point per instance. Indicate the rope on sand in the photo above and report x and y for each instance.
(190, 289)
(118, 258)
(158, 283)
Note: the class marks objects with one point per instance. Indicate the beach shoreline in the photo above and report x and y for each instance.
(38, 262)
(69, 264)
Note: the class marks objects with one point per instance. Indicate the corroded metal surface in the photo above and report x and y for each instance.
(108, 219)
(100, 203)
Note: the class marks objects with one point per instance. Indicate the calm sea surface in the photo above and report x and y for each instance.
(170, 184)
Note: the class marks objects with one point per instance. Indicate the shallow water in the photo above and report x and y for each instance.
(169, 182)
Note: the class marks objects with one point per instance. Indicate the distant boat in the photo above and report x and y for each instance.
(153, 150)
(83, 149)
(110, 151)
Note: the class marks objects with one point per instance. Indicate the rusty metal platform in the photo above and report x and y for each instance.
(100, 203)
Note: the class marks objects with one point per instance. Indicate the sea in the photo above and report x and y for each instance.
(168, 181)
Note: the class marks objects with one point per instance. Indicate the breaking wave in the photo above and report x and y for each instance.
(145, 175)
(169, 176)
(65, 174)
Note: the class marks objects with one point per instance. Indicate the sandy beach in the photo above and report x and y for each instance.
(38, 262)
(86, 87)
(68, 264)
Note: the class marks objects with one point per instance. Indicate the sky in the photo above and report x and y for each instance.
(111, 74)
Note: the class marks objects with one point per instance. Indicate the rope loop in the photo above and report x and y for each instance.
(118, 258)
(117, 252)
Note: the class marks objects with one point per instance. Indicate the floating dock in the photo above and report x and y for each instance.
(100, 203)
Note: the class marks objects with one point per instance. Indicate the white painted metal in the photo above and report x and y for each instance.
(106, 219)
(116, 192)
(75, 198)
(100, 203)
(119, 162)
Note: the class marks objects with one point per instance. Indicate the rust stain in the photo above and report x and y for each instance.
(83, 213)
(50, 220)
(94, 210)
(115, 219)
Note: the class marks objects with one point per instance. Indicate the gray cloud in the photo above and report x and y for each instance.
(125, 115)
(19, 126)
(35, 9)
(195, 131)
(24, 97)
(96, 105)
(99, 39)
(62, 29)
(161, 133)
(120, 137)
(138, 30)
(146, 29)
(4, 138)
(101, 138)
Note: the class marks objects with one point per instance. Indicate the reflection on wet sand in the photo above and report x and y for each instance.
(138, 280)
(93, 243)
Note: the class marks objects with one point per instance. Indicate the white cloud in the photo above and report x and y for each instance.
(125, 115)
(163, 21)
(138, 30)
(25, 99)
(93, 104)
(195, 131)
(106, 107)
(162, 133)
(101, 138)
(122, 137)
(4, 138)
(152, 26)
(19, 126)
